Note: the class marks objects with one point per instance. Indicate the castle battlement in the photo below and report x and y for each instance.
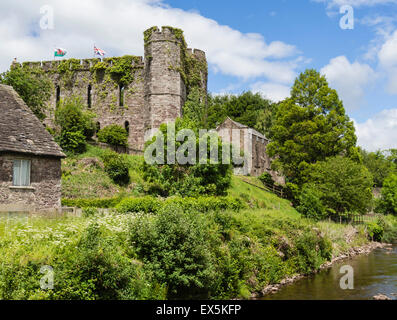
(80, 64)
(138, 93)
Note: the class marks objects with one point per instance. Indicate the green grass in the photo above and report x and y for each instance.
(83, 176)
(259, 198)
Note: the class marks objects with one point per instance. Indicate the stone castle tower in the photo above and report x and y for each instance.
(134, 92)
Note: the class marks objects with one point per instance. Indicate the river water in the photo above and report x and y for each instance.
(374, 274)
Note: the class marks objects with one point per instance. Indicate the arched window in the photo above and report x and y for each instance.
(97, 127)
(89, 96)
(121, 95)
(58, 94)
(127, 127)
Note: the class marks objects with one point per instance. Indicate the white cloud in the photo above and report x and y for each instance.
(379, 132)
(388, 61)
(272, 91)
(349, 79)
(117, 26)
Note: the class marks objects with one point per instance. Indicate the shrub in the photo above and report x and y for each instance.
(375, 230)
(145, 204)
(89, 211)
(95, 269)
(200, 205)
(116, 167)
(91, 203)
(266, 179)
(310, 204)
(72, 142)
(114, 135)
(188, 179)
(178, 249)
(76, 125)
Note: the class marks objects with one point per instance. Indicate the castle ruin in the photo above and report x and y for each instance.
(134, 92)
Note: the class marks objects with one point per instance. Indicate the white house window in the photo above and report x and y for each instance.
(21, 176)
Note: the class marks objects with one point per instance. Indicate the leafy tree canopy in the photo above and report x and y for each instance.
(247, 108)
(33, 86)
(310, 126)
(75, 125)
(379, 165)
(190, 179)
(344, 185)
(388, 203)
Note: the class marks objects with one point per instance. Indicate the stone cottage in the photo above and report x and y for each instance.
(253, 144)
(30, 159)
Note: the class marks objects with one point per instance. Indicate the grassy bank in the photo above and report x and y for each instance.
(150, 248)
(84, 177)
(176, 253)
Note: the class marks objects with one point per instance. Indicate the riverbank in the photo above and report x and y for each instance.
(351, 253)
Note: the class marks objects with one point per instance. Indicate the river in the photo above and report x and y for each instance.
(374, 274)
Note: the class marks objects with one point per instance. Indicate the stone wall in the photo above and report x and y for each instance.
(44, 193)
(254, 147)
(155, 87)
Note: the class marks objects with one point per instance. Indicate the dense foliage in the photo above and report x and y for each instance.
(310, 203)
(175, 254)
(342, 185)
(32, 85)
(200, 204)
(185, 179)
(249, 109)
(309, 127)
(114, 134)
(379, 165)
(388, 202)
(75, 125)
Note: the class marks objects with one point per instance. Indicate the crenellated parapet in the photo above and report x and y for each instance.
(72, 64)
(135, 92)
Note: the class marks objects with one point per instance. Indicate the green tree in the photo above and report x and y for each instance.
(343, 185)
(310, 204)
(245, 108)
(32, 85)
(190, 179)
(388, 202)
(379, 165)
(393, 156)
(309, 127)
(75, 125)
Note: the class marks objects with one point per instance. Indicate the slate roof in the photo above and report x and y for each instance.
(243, 126)
(20, 130)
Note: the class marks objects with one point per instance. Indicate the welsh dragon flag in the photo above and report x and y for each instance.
(59, 52)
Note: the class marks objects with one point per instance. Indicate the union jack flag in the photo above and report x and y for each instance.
(99, 52)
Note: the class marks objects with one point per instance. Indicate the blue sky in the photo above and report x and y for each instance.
(251, 45)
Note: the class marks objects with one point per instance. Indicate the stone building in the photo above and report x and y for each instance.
(253, 144)
(135, 92)
(30, 159)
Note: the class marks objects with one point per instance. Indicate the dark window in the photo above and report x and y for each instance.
(127, 127)
(98, 126)
(89, 96)
(121, 95)
(58, 94)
